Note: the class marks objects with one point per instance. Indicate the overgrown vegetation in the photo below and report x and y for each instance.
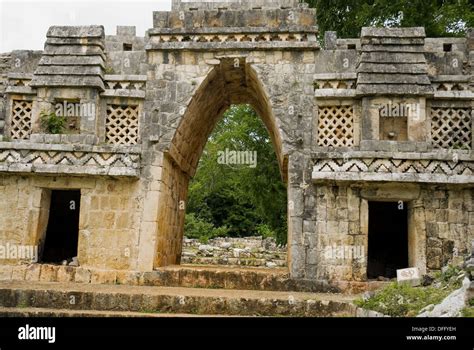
(195, 227)
(402, 300)
(440, 18)
(237, 200)
(52, 123)
(469, 310)
(109, 70)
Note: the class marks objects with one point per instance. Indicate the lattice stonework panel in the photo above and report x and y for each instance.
(121, 125)
(21, 119)
(336, 126)
(451, 127)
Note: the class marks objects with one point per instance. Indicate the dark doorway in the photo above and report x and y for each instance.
(388, 239)
(63, 226)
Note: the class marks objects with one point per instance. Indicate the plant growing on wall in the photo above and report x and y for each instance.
(109, 70)
(52, 123)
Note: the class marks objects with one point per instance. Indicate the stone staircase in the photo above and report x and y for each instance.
(62, 291)
(20, 298)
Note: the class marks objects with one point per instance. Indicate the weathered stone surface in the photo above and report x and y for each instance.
(452, 305)
(33, 273)
(66, 274)
(90, 298)
(355, 169)
(330, 40)
(49, 273)
(251, 251)
(192, 276)
(82, 275)
(409, 276)
(76, 32)
(57, 158)
(85, 44)
(372, 32)
(383, 65)
(6, 273)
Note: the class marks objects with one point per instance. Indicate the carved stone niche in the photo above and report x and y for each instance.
(393, 129)
(396, 119)
(393, 119)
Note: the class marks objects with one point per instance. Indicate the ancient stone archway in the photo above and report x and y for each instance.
(230, 81)
(156, 98)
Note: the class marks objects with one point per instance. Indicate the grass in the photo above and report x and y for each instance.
(406, 301)
(468, 312)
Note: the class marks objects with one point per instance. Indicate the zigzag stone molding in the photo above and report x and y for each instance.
(392, 169)
(70, 162)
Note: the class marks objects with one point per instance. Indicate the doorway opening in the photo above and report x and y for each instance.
(62, 232)
(388, 239)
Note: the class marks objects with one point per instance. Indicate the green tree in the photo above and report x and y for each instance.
(241, 198)
(439, 17)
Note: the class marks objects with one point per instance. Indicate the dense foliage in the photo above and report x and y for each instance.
(236, 199)
(439, 17)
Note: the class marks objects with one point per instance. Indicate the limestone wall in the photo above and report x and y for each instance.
(440, 227)
(110, 214)
(449, 215)
(125, 52)
(171, 211)
(108, 218)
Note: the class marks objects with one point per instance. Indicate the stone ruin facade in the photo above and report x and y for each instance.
(373, 135)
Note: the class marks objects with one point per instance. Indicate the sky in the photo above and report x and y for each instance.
(24, 23)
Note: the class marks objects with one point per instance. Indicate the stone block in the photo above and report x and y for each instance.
(66, 274)
(19, 273)
(6, 272)
(409, 276)
(128, 277)
(49, 273)
(330, 40)
(82, 275)
(126, 30)
(103, 277)
(33, 272)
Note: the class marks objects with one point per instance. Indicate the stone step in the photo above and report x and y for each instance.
(194, 276)
(228, 277)
(49, 312)
(175, 300)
